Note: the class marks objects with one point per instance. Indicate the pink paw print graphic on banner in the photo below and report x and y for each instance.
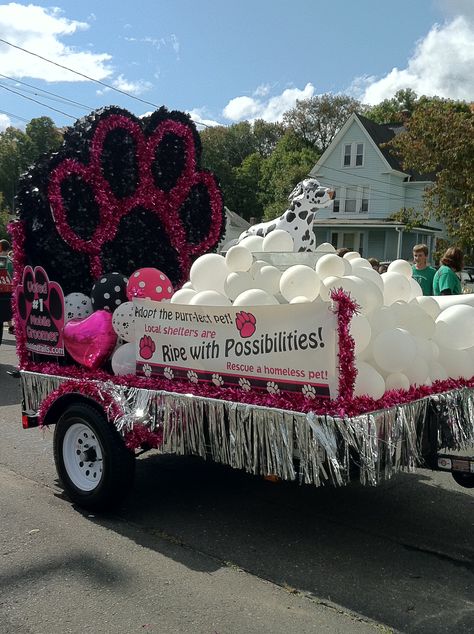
(245, 323)
(147, 347)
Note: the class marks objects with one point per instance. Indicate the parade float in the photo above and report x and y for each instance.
(277, 357)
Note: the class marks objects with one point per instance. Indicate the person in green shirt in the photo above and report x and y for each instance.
(421, 271)
(445, 281)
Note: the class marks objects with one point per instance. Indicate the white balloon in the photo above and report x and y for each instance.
(429, 305)
(457, 363)
(268, 279)
(394, 350)
(325, 247)
(360, 263)
(209, 298)
(256, 266)
(347, 266)
(360, 331)
(300, 280)
(445, 301)
(300, 300)
(330, 265)
(77, 306)
(371, 275)
(183, 296)
(382, 319)
(237, 282)
(416, 290)
(123, 321)
(437, 372)
(188, 285)
(418, 371)
(397, 381)
(414, 319)
(278, 240)
(368, 381)
(366, 294)
(255, 297)
(396, 287)
(424, 349)
(209, 272)
(454, 327)
(123, 359)
(400, 266)
(350, 255)
(238, 258)
(253, 243)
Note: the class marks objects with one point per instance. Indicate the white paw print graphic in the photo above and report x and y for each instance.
(245, 385)
(272, 387)
(192, 376)
(168, 372)
(147, 369)
(217, 380)
(309, 391)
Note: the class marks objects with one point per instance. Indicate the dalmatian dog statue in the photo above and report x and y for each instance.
(306, 198)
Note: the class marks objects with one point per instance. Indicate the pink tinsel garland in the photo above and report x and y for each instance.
(166, 205)
(344, 405)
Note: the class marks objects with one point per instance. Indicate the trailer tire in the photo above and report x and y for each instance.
(465, 480)
(94, 466)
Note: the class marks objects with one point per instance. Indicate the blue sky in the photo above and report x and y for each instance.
(224, 62)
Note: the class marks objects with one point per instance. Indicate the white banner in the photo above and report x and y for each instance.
(274, 348)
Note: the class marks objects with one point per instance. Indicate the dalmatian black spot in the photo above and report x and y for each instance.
(303, 215)
(309, 220)
(291, 216)
(260, 233)
(306, 236)
(270, 228)
(297, 203)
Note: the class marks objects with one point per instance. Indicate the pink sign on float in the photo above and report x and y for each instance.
(41, 312)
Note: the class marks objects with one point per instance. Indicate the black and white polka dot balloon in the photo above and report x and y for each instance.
(123, 321)
(109, 291)
(77, 306)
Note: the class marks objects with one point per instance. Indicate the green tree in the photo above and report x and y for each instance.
(44, 137)
(19, 149)
(439, 140)
(291, 162)
(318, 119)
(395, 109)
(4, 220)
(245, 195)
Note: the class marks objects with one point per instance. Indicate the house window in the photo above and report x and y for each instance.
(336, 202)
(347, 155)
(364, 203)
(353, 155)
(351, 199)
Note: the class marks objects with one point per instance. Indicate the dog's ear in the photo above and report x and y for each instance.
(298, 190)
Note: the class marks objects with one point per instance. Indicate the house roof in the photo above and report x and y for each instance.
(383, 133)
(236, 220)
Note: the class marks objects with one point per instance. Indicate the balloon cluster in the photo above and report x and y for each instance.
(402, 339)
(101, 327)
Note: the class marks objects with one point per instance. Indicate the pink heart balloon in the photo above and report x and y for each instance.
(90, 341)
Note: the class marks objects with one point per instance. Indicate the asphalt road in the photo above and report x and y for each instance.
(202, 548)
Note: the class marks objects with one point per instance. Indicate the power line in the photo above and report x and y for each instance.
(24, 83)
(10, 114)
(36, 101)
(97, 81)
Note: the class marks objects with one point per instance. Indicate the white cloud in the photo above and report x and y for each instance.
(5, 122)
(270, 109)
(134, 87)
(199, 116)
(41, 30)
(441, 65)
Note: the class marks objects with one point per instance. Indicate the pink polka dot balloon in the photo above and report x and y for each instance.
(149, 283)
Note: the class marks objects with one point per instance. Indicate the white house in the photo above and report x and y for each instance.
(370, 185)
